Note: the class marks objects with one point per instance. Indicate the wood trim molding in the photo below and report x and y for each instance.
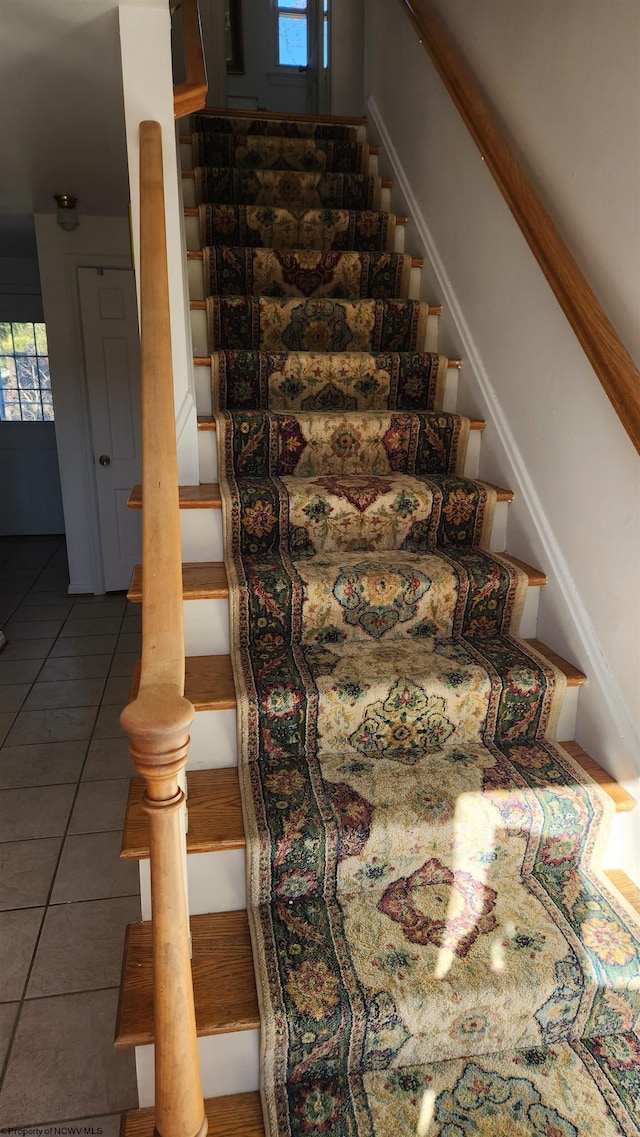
(598, 338)
(191, 96)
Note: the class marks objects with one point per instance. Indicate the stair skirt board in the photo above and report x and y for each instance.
(396, 753)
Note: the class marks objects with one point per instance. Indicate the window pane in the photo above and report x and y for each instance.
(41, 339)
(8, 372)
(43, 372)
(292, 41)
(325, 44)
(6, 339)
(31, 412)
(24, 340)
(47, 413)
(27, 371)
(298, 5)
(47, 398)
(11, 412)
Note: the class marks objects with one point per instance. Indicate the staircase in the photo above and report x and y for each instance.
(271, 371)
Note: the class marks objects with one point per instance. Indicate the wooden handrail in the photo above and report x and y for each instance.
(158, 720)
(191, 95)
(602, 345)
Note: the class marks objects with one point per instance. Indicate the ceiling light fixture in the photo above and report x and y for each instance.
(67, 215)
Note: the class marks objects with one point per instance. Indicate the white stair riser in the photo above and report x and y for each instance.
(207, 456)
(567, 720)
(201, 534)
(206, 627)
(189, 195)
(216, 883)
(214, 742)
(229, 1064)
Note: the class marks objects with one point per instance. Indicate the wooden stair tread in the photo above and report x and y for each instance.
(204, 496)
(234, 1115)
(208, 682)
(536, 576)
(201, 580)
(626, 886)
(208, 422)
(624, 802)
(215, 815)
(215, 811)
(575, 677)
(223, 979)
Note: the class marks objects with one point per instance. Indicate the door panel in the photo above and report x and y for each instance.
(112, 363)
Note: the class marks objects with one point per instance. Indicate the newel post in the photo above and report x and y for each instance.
(157, 723)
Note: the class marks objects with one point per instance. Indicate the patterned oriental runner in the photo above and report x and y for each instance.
(437, 949)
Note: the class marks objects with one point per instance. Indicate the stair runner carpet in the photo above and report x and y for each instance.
(436, 948)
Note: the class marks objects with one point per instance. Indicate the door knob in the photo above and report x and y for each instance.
(104, 460)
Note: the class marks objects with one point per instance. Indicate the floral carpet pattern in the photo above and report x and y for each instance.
(436, 948)
(225, 185)
(274, 227)
(232, 271)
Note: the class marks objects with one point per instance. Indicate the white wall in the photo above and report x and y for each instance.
(566, 80)
(145, 43)
(347, 57)
(98, 242)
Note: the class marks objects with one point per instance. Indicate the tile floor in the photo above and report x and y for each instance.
(65, 897)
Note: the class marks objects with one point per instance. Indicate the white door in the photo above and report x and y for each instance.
(112, 364)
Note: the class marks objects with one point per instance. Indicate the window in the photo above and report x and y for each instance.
(293, 49)
(25, 382)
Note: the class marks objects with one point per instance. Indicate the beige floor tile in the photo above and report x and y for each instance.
(84, 645)
(108, 758)
(25, 630)
(90, 869)
(81, 946)
(26, 872)
(8, 1013)
(40, 811)
(107, 723)
(116, 692)
(65, 693)
(100, 806)
(124, 663)
(41, 764)
(18, 670)
(63, 1062)
(18, 933)
(6, 719)
(27, 649)
(65, 725)
(91, 626)
(13, 696)
(129, 641)
(29, 613)
(75, 667)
